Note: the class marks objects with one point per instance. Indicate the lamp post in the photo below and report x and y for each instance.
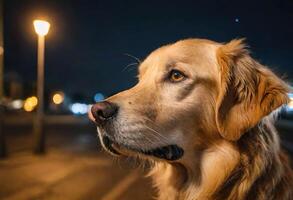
(1, 51)
(42, 29)
(3, 151)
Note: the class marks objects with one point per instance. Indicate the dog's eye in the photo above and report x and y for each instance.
(176, 76)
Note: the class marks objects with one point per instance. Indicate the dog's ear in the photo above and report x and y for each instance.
(248, 91)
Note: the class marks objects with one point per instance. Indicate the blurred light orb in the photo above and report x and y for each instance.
(41, 27)
(58, 98)
(99, 97)
(30, 103)
(28, 108)
(79, 108)
(17, 104)
(236, 20)
(34, 100)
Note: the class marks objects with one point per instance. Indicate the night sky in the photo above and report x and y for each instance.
(88, 39)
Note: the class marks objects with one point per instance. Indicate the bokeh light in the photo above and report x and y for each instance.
(99, 97)
(17, 104)
(58, 98)
(79, 108)
(30, 103)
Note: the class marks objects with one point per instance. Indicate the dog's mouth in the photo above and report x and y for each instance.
(169, 152)
(108, 145)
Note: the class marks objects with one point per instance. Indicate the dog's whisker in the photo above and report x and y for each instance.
(157, 134)
(129, 65)
(132, 56)
(156, 137)
(150, 141)
(154, 124)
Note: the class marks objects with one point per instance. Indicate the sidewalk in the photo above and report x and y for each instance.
(68, 176)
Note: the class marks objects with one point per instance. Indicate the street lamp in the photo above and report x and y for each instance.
(42, 29)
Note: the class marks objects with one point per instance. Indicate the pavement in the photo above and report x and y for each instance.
(59, 175)
(74, 167)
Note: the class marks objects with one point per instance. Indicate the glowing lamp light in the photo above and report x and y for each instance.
(17, 104)
(28, 108)
(34, 100)
(99, 97)
(41, 27)
(79, 108)
(58, 98)
(30, 104)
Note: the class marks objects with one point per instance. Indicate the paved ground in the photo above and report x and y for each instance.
(74, 167)
(63, 175)
(60, 175)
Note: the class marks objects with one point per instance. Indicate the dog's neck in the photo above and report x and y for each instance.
(199, 181)
(226, 170)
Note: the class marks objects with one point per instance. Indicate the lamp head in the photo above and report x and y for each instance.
(41, 27)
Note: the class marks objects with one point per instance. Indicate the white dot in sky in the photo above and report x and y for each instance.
(236, 20)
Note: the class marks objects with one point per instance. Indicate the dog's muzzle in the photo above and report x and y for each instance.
(104, 112)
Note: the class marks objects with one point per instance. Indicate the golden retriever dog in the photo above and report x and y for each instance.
(202, 113)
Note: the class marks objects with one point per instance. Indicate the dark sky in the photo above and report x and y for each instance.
(88, 38)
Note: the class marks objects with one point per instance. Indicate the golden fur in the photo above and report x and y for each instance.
(221, 115)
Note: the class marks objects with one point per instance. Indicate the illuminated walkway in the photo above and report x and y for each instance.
(68, 176)
(75, 167)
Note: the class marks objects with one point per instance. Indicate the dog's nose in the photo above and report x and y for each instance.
(103, 111)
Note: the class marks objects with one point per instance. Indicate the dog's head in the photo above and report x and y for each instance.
(190, 94)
